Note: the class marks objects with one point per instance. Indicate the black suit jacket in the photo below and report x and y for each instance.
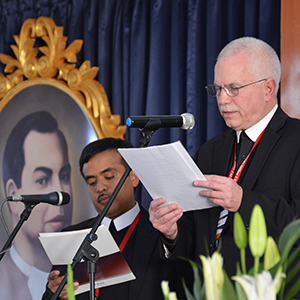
(271, 178)
(147, 266)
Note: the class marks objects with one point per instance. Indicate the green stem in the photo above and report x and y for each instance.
(243, 260)
(256, 264)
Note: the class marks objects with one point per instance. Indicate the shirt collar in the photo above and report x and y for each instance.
(254, 131)
(124, 220)
(36, 278)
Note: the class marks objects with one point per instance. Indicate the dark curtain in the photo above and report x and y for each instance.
(155, 56)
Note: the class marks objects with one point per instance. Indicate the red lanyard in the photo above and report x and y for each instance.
(240, 169)
(125, 239)
(129, 232)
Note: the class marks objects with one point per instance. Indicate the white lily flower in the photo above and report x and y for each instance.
(166, 291)
(213, 276)
(165, 287)
(260, 287)
(172, 296)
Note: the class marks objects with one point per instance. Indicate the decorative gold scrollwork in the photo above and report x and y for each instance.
(55, 60)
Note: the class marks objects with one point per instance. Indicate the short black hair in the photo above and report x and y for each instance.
(99, 146)
(14, 158)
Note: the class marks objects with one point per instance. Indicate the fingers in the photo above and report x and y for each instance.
(211, 181)
(164, 218)
(155, 204)
(54, 281)
(221, 191)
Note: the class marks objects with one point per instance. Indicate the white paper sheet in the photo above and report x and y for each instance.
(168, 171)
(112, 268)
(62, 246)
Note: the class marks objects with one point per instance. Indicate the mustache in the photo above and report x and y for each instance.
(103, 196)
(223, 108)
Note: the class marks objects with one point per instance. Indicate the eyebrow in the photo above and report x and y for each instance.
(48, 171)
(65, 168)
(102, 172)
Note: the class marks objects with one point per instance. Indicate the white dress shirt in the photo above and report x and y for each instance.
(124, 220)
(254, 131)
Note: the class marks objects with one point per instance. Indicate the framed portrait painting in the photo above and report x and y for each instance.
(49, 111)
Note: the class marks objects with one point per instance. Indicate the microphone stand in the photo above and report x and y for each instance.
(23, 217)
(86, 251)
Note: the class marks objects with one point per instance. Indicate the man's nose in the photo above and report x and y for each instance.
(100, 187)
(223, 98)
(56, 184)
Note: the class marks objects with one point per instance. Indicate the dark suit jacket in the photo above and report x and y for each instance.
(147, 266)
(271, 178)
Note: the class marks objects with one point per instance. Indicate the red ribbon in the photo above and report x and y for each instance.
(125, 240)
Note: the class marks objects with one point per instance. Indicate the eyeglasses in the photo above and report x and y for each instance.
(231, 90)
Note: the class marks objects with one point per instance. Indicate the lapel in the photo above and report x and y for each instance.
(146, 243)
(223, 147)
(264, 148)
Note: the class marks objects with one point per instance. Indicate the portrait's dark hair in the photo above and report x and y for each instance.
(102, 145)
(14, 158)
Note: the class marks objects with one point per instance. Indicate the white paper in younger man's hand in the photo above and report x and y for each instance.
(61, 247)
(168, 171)
(111, 269)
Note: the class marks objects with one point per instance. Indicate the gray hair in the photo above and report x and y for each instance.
(263, 59)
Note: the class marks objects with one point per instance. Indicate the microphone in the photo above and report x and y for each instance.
(54, 198)
(185, 121)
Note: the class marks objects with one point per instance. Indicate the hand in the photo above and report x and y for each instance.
(222, 191)
(54, 281)
(165, 218)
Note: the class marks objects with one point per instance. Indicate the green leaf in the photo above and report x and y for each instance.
(293, 291)
(288, 238)
(293, 272)
(294, 255)
(241, 295)
(197, 281)
(197, 289)
(228, 292)
(70, 287)
(188, 294)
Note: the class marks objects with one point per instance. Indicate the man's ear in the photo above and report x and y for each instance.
(270, 89)
(134, 179)
(11, 190)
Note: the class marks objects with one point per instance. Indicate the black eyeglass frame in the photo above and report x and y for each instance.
(215, 90)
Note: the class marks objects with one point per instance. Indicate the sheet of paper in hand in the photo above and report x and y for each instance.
(168, 171)
(111, 267)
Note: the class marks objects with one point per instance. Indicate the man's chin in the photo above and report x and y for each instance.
(54, 226)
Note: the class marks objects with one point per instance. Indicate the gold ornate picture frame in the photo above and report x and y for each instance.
(55, 67)
(46, 78)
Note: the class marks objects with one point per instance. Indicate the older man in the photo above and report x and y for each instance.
(247, 76)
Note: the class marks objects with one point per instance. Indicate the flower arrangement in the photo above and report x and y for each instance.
(265, 281)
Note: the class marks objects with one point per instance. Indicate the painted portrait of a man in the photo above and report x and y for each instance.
(39, 149)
